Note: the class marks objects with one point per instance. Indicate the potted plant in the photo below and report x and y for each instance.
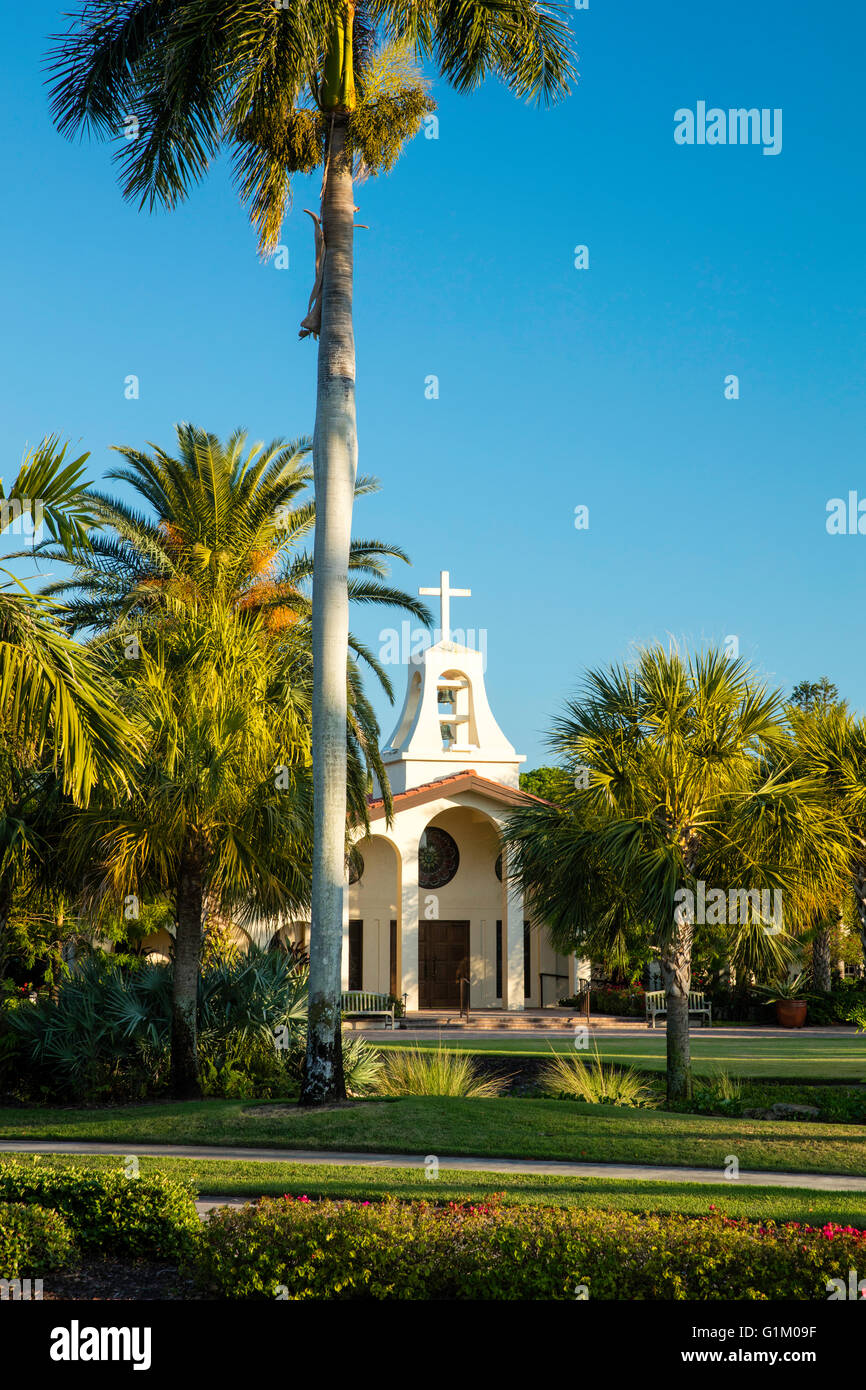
(790, 999)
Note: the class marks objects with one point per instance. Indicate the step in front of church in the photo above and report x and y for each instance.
(499, 1020)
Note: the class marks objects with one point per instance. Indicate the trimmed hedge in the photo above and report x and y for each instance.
(299, 1249)
(151, 1218)
(33, 1240)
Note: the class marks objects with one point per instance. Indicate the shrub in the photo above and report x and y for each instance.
(10, 1053)
(855, 1012)
(300, 1250)
(153, 1217)
(835, 1104)
(570, 1076)
(242, 1067)
(107, 1033)
(33, 1240)
(439, 1072)
(846, 1003)
(362, 1066)
(628, 1001)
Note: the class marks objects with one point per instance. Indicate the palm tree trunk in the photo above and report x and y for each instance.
(335, 462)
(185, 1083)
(821, 963)
(860, 900)
(676, 962)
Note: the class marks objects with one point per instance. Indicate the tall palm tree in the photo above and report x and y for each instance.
(51, 699)
(685, 781)
(288, 88)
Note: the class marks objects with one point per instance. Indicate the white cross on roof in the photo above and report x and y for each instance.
(445, 594)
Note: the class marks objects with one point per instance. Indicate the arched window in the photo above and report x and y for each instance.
(438, 858)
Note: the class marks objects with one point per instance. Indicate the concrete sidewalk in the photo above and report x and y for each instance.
(814, 1182)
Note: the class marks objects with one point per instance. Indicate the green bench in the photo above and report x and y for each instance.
(656, 1004)
(360, 1003)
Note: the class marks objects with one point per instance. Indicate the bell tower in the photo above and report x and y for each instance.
(446, 724)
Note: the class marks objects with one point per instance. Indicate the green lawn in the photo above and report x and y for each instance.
(807, 1059)
(517, 1128)
(227, 1178)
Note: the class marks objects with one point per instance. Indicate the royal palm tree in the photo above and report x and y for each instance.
(681, 777)
(289, 87)
(51, 700)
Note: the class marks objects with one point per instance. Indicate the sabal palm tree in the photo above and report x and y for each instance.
(220, 808)
(51, 699)
(811, 697)
(680, 779)
(288, 88)
(215, 543)
(832, 743)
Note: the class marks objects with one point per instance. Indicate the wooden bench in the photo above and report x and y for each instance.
(360, 1003)
(656, 1004)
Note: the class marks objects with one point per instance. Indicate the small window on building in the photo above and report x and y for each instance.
(392, 983)
(356, 955)
(527, 960)
(498, 960)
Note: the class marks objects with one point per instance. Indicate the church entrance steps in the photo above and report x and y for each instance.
(533, 1020)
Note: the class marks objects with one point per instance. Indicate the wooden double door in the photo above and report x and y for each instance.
(443, 959)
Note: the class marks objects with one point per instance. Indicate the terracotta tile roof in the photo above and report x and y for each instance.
(466, 780)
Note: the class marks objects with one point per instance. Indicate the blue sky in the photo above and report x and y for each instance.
(557, 387)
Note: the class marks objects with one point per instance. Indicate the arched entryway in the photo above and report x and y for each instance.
(372, 958)
(460, 901)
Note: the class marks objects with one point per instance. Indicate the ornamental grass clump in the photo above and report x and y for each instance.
(417, 1072)
(572, 1078)
(721, 1087)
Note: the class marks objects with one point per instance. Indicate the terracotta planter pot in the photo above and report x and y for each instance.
(791, 1013)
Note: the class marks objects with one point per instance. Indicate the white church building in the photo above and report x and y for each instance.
(430, 913)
